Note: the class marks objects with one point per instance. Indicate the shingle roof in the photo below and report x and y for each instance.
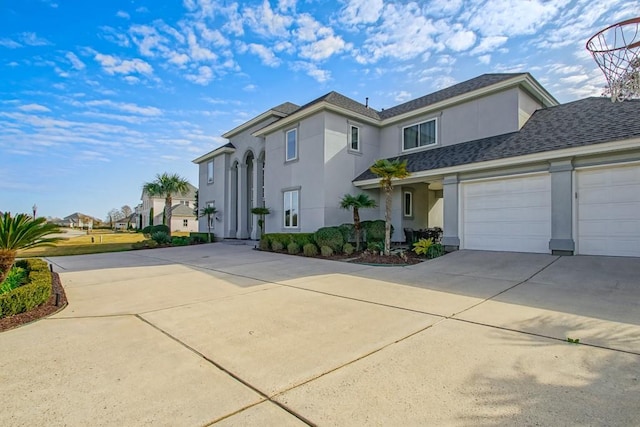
(340, 100)
(286, 108)
(449, 92)
(182, 210)
(585, 122)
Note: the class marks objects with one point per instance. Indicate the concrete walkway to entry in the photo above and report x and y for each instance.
(224, 335)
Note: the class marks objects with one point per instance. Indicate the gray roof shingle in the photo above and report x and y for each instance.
(580, 123)
(459, 89)
(340, 100)
(286, 108)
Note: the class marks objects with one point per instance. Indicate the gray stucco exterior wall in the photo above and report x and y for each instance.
(450, 238)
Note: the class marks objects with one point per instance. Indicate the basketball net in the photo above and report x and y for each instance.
(616, 49)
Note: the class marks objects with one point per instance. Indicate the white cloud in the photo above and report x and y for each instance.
(309, 29)
(10, 44)
(312, 70)
(31, 39)
(250, 88)
(323, 49)
(113, 65)
(265, 54)
(264, 21)
(34, 108)
(203, 76)
(489, 44)
(123, 14)
(459, 39)
(358, 12)
(75, 61)
(512, 17)
(401, 96)
(484, 59)
(125, 107)
(197, 52)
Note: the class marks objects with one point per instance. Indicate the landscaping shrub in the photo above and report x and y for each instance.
(264, 244)
(151, 229)
(326, 251)
(421, 247)
(374, 230)
(348, 232)
(161, 238)
(300, 239)
(276, 246)
(36, 291)
(348, 248)
(331, 237)
(293, 248)
(435, 251)
(310, 249)
(201, 237)
(16, 277)
(145, 244)
(375, 246)
(194, 240)
(179, 241)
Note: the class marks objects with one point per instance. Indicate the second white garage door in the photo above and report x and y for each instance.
(511, 214)
(609, 211)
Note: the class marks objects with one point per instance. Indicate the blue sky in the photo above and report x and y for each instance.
(97, 97)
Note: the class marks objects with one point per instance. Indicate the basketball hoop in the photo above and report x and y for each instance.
(616, 49)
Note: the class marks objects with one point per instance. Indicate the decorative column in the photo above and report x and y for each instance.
(561, 242)
(231, 217)
(256, 177)
(241, 232)
(450, 238)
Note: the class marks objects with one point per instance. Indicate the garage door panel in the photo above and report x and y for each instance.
(512, 214)
(608, 211)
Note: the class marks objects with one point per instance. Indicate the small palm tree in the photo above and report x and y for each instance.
(389, 170)
(361, 201)
(261, 211)
(208, 211)
(166, 185)
(22, 232)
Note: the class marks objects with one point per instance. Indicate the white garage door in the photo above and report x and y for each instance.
(609, 211)
(507, 214)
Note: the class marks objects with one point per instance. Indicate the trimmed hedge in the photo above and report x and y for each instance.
(202, 237)
(310, 249)
(284, 239)
(374, 230)
(331, 237)
(293, 248)
(37, 291)
(150, 229)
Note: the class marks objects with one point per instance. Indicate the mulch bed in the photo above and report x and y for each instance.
(44, 310)
(365, 257)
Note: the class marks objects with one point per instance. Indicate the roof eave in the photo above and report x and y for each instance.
(214, 153)
(244, 126)
(310, 110)
(597, 148)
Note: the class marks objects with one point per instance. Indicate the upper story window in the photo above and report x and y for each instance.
(354, 138)
(291, 145)
(419, 135)
(210, 172)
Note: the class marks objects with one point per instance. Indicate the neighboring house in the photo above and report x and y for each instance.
(79, 220)
(183, 218)
(125, 223)
(153, 207)
(495, 161)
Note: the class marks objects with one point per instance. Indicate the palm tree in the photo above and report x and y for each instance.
(261, 211)
(388, 170)
(22, 232)
(166, 185)
(361, 201)
(208, 211)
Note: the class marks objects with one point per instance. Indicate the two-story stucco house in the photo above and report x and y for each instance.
(182, 211)
(495, 161)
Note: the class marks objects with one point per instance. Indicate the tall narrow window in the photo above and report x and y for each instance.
(408, 203)
(210, 172)
(291, 210)
(354, 138)
(291, 142)
(185, 223)
(419, 135)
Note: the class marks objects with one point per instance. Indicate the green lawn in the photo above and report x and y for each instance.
(103, 242)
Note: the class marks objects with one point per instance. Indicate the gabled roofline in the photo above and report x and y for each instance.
(244, 126)
(211, 154)
(525, 79)
(310, 110)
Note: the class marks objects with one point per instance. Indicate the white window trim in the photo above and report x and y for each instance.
(210, 177)
(284, 199)
(420, 147)
(404, 205)
(349, 140)
(286, 145)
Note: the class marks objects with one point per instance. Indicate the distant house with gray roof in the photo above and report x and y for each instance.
(151, 211)
(495, 161)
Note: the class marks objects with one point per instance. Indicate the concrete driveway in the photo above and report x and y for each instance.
(221, 334)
